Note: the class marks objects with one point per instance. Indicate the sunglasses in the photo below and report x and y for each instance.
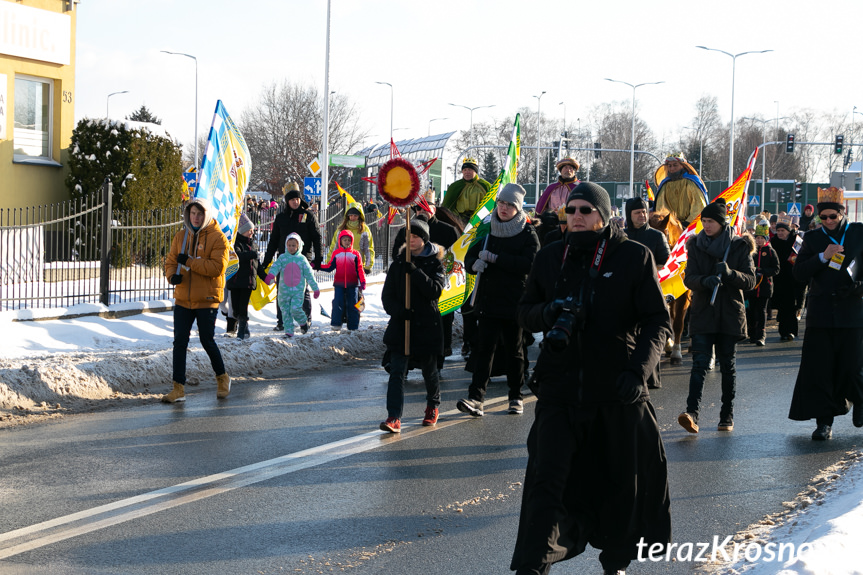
(830, 217)
(583, 210)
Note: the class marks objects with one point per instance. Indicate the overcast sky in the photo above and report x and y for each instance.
(471, 53)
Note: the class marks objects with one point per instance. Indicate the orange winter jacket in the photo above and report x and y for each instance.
(204, 273)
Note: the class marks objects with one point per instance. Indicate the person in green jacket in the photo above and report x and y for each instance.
(355, 222)
(465, 195)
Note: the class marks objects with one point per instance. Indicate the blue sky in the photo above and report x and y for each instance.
(468, 52)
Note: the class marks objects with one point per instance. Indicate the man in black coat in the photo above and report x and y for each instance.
(501, 261)
(638, 230)
(716, 262)
(596, 471)
(830, 377)
(426, 334)
(296, 218)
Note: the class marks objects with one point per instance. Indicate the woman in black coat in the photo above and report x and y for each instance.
(830, 377)
(597, 470)
(244, 282)
(501, 261)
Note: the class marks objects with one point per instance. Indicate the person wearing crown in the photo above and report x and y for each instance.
(464, 196)
(830, 378)
(680, 189)
(554, 196)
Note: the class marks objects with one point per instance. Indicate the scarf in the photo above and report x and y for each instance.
(508, 229)
(715, 246)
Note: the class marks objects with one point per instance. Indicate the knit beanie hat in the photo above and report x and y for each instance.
(595, 195)
(716, 211)
(762, 229)
(513, 194)
(633, 204)
(420, 228)
(245, 224)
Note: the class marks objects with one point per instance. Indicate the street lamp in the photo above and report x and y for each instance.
(435, 120)
(733, 70)
(196, 98)
(108, 102)
(632, 138)
(471, 116)
(391, 113)
(538, 125)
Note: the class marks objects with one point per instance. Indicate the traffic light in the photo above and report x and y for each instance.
(798, 190)
(837, 148)
(597, 150)
(789, 144)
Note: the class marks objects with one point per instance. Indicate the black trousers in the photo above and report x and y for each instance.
(489, 330)
(240, 302)
(756, 317)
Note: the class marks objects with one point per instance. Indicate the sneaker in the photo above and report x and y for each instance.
(689, 421)
(822, 433)
(304, 328)
(760, 343)
(726, 424)
(431, 416)
(289, 334)
(516, 406)
(392, 424)
(470, 406)
(279, 327)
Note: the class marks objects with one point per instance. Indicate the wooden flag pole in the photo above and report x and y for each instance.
(407, 279)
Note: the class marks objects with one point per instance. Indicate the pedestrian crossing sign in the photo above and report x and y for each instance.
(755, 201)
(794, 209)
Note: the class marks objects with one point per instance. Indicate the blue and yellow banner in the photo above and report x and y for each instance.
(225, 171)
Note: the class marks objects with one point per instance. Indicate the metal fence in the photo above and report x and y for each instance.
(73, 253)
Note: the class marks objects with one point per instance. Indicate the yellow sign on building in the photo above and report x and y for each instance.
(37, 89)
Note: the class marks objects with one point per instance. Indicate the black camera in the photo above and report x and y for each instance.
(570, 318)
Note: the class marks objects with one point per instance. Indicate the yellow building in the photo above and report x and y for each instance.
(37, 99)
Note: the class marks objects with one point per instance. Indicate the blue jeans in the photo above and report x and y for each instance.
(726, 349)
(183, 320)
(398, 375)
(344, 299)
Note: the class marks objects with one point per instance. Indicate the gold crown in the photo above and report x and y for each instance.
(784, 219)
(832, 195)
(678, 156)
(470, 161)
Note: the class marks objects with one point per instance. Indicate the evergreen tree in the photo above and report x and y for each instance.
(142, 114)
(490, 170)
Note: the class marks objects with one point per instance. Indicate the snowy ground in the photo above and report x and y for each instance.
(59, 366)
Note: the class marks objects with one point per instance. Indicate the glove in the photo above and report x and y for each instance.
(182, 259)
(316, 293)
(722, 270)
(268, 279)
(854, 289)
(410, 267)
(176, 279)
(368, 271)
(711, 282)
(479, 266)
(551, 311)
(363, 287)
(487, 256)
(629, 387)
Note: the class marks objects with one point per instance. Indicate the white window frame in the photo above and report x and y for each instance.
(25, 158)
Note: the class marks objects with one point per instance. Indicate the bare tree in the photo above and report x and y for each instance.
(283, 131)
(612, 124)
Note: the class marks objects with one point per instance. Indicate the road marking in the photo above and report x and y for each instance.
(62, 528)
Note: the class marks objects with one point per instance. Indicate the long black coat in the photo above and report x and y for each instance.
(655, 241)
(426, 286)
(301, 221)
(827, 308)
(597, 470)
(728, 313)
(501, 285)
(766, 267)
(246, 276)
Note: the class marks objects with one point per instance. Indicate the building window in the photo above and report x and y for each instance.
(33, 118)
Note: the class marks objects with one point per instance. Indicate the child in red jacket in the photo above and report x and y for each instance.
(348, 283)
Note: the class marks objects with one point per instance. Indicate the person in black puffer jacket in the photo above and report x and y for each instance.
(244, 282)
(501, 261)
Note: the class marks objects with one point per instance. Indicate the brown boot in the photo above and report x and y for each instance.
(223, 383)
(178, 394)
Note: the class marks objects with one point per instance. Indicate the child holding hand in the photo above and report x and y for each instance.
(350, 279)
(296, 272)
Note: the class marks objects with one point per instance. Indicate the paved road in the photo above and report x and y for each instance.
(290, 475)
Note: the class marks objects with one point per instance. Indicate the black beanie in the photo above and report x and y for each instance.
(593, 194)
(716, 211)
(293, 194)
(420, 228)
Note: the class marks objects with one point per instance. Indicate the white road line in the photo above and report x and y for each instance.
(62, 528)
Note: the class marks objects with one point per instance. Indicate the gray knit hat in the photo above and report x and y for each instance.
(513, 194)
(244, 225)
(593, 194)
